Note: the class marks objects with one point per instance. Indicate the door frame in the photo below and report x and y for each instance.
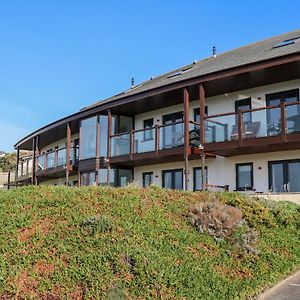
(173, 177)
(173, 117)
(285, 163)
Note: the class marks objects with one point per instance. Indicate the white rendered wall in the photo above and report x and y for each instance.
(221, 170)
(223, 103)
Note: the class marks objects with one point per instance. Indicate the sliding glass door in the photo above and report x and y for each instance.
(173, 179)
(173, 134)
(284, 176)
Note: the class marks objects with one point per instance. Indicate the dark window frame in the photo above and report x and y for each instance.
(145, 138)
(282, 95)
(285, 169)
(195, 169)
(242, 102)
(173, 177)
(238, 187)
(197, 112)
(147, 173)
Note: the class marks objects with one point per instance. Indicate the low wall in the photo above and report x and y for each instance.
(292, 197)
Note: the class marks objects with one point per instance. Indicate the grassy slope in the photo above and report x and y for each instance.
(151, 252)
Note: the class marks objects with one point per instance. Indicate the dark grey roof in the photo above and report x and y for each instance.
(245, 55)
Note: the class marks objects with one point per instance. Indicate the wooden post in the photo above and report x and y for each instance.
(36, 163)
(109, 129)
(33, 160)
(79, 152)
(68, 148)
(202, 113)
(186, 134)
(17, 167)
(283, 121)
(97, 167)
(202, 132)
(8, 180)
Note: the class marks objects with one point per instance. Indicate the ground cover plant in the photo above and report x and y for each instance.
(131, 243)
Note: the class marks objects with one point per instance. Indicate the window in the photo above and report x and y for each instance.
(284, 176)
(287, 42)
(197, 114)
(103, 177)
(173, 131)
(148, 134)
(124, 177)
(88, 178)
(244, 177)
(244, 104)
(274, 115)
(198, 178)
(88, 138)
(173, 179)
(147, 179)
(103, 135)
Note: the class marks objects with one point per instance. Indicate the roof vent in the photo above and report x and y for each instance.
(132, 82)
(287, 42)
(214, 51)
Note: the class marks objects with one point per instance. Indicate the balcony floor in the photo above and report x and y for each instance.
(150, 158)
(255, 145)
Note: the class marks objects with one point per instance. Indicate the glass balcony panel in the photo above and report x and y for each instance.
(144, 141)
(272, 119)
(194, 130)
(120, 145)
(30, 166)
(19, 170)
(50, 160)
(293, 118)
(41, 162)
(254, 124)
(171, 135)
(221, 128)
(61, 157)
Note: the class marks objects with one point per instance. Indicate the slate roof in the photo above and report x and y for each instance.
(245, 55)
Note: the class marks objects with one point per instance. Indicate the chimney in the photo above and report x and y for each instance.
(214, 51)
(132, 82)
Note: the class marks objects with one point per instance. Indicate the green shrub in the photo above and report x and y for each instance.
(287, 214)
(254, 212)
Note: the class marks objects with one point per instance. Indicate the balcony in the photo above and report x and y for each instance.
(53, 164)
(160, 143)
(25, 169)
(263, 129)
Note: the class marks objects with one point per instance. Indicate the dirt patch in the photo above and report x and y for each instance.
(43, 268)
(233, 273)
(209, 249)
(43, 227)
(194, 251)
(64, 260)
(78, 293)
(26, 286)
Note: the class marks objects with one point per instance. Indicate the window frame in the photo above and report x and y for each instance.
(249, 188)
(242, 102)
(147, 173)
(145, 138)
(195, 169)
(173, 171)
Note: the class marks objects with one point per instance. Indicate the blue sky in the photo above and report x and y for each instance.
(59, 56)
